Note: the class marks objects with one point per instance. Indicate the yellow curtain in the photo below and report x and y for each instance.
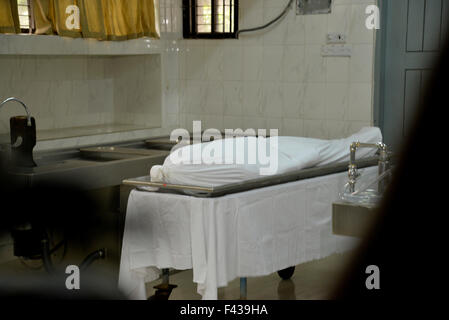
(99, 19)
(67, 18)
(149, 19)
(92, 19)
(43, 16)
(9, 17)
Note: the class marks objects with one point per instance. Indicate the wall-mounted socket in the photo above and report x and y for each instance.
(336, 50)
(336, 38)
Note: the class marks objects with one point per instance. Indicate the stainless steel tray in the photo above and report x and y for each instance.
(207, 192)
(119, 150)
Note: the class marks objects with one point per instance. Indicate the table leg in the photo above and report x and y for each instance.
(243, 288)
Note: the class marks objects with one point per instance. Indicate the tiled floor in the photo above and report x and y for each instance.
(312, 280)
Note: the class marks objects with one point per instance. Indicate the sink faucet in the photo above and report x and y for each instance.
(384, 163)
(23, 137)
(23, 104)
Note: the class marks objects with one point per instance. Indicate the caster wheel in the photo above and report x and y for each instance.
(163, 292)
(286, 274)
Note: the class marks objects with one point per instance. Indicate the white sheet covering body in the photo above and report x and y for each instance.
(246, 234)
(294, 153)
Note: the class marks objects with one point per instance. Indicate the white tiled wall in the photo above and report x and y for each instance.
(278, 78)
(270, 79)
(75, 91)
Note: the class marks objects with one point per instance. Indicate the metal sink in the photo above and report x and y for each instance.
(112, 153)
(63, 161)
(352, 219)
(165, 143)
(93, 167)
(88, 156)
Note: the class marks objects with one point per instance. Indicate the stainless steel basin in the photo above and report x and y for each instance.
(86, 156)
(352, 219)
(90, 168)
(111, 153)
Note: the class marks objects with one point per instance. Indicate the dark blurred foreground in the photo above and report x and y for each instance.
(408, 241)
(68, 219)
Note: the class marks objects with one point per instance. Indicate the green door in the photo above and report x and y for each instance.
(414, 34)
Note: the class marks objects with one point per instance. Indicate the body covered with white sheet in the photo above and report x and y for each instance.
(226, 163)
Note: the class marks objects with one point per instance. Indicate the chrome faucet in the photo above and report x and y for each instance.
(23, 104)
(384, 163)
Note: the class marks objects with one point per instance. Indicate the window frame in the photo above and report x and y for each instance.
(31, 27)
(190, 24)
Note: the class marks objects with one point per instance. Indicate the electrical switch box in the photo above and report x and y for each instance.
(335, 38)
(336, 50)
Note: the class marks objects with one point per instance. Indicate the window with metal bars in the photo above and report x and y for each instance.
(213, 19)
(25, 16)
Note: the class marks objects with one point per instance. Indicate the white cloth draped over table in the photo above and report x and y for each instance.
(246, 234)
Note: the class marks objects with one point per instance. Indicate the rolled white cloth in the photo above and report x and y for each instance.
(157, 174)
